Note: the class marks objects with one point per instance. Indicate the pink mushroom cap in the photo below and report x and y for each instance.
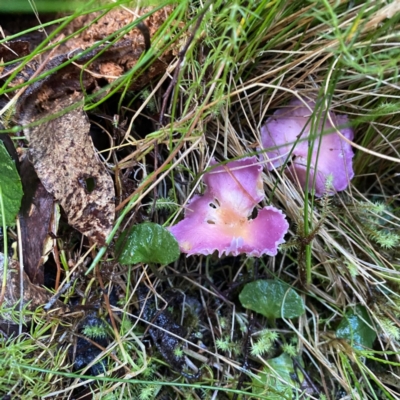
(219, 219)
(288, 130)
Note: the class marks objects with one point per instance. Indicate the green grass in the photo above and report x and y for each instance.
(247, 58)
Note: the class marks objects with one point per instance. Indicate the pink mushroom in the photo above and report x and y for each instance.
(220, 219)
(287, 132)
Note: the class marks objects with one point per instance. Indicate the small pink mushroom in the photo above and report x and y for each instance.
(220, 219)
(287, 132)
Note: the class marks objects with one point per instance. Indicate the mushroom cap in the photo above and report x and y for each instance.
(219, 219)
(286, 136)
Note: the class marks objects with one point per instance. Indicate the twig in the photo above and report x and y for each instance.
(306, 376)
(66, 286)
(21, 277)
(54, 226)
(60, 292)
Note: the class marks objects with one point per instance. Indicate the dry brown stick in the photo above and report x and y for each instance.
(57, 261)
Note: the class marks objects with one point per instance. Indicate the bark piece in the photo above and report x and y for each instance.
(65, 160)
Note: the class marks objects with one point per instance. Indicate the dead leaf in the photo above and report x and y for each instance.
(65, 161)
(35, 216)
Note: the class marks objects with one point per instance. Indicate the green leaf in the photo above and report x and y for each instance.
(147, 243)
(276, 380)
(356, 327)
(11, 187)
(272, 298)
